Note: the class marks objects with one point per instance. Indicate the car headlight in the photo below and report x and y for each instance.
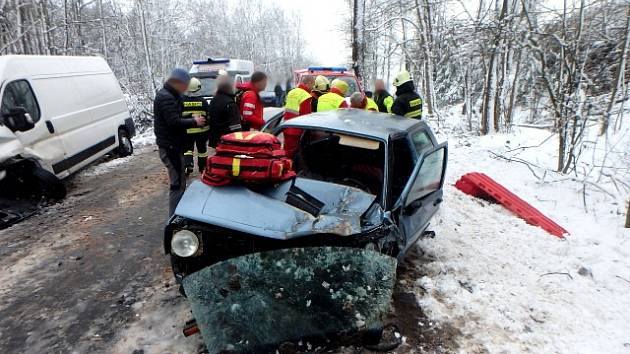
(184, 243)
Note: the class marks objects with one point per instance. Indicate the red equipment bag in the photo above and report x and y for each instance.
(251, 157)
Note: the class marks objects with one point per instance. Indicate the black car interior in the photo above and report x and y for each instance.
(323, 156)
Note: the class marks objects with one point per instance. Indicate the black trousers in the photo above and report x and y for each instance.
(174, 163)
(200, 140)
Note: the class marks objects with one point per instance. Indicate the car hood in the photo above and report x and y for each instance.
(264, 212)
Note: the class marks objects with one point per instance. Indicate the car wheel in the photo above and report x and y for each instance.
(48, 184)
(125, 146)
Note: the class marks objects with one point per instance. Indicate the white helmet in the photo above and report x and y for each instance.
(194, 85)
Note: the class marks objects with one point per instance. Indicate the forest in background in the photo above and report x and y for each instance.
(565, 66)
(562, 67)
(142, 40)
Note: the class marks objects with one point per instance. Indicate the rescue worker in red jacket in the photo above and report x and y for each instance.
(298, 104)
(250, 104)
(334, 99)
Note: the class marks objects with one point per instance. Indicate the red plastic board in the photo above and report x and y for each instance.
(481, 186)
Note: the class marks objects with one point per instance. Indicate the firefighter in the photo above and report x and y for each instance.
(407, 103)
(382, 98)
(193, 106)
(298, 103)
(334, 99)
(250, 104)
(321, 86)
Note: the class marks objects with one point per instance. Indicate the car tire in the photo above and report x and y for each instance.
(125, 146)
(48, 184)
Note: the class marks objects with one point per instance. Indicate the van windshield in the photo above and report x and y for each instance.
(208, 86)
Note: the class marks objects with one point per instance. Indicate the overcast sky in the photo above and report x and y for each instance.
(321, 23)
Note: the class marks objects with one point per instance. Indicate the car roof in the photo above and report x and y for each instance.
(356, 122)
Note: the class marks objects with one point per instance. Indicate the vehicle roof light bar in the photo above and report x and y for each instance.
(327, 68)
(212, 61)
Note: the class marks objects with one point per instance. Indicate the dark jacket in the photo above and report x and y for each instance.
(408, 103)
(225, 116)
(380, 97)
(168, 124)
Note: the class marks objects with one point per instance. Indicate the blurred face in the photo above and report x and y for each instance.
(379, 85)
(261, 85)
(309, 82)
(179, 86)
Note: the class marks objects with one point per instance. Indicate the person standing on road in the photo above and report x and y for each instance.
(224, 114)
(279, 94)
(195, 105)
(250, 104)
(408, 103)
(170, 131)
(382, 98)
(298, 104)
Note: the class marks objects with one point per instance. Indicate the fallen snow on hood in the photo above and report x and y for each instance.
(511, 287)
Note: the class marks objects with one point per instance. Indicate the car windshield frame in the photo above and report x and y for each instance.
(381, 199)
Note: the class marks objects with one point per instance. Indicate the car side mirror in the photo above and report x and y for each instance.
(18, 120)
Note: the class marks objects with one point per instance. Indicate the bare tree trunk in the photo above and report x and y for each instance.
(99, 3)
(145, 43)
(424, 24)
(618, 77)
(628, 216)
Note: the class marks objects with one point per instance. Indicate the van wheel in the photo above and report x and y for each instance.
(125, 147)
(48, 184)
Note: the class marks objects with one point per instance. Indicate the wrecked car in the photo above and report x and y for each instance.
(367, 186)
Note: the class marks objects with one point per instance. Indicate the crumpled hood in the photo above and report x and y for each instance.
(265, 212)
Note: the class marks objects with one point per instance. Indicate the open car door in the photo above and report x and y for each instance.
(422, 195)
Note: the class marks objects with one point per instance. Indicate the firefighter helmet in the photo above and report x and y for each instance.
(401, 78)
(340, 85)
(194, 85)
(321, 84)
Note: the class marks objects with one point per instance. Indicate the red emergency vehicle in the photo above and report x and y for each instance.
(331, 72)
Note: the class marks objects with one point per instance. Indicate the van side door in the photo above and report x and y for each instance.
(38, 141)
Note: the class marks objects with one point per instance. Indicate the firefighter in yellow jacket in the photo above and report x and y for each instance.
(194, 106)
(334, 99)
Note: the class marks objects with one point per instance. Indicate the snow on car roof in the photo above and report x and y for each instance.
(357, 122)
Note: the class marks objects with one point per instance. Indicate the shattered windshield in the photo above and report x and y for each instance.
(255, 302)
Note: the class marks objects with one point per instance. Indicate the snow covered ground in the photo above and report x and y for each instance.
(510, 287)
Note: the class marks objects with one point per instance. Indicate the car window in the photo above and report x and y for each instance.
(401, 167)
(421, 141)
(19, 94)
(430, 176)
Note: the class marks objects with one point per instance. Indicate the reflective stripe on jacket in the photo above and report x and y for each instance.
(195, 106)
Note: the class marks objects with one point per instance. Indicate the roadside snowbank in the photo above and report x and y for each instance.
(513, 288)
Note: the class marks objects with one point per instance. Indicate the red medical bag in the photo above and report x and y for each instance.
(251, 157)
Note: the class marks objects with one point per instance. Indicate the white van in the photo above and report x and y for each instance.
(58, 114)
